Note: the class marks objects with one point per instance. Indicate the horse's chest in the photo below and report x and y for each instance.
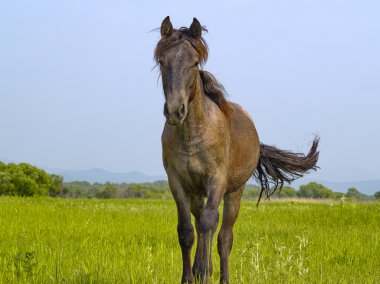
(192, 170)
(192, 161)
(190, 165)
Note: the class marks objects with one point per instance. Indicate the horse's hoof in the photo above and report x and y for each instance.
(187, 279)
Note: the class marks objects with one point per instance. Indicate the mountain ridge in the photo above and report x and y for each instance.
(102, 176)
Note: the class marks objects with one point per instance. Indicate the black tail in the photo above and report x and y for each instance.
(278, 166)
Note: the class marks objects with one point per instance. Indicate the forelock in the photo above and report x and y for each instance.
(178, 37)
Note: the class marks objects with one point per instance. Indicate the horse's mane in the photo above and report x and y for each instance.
(215, 91)
(212, 88)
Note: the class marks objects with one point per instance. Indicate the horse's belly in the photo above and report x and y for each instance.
(245, 148)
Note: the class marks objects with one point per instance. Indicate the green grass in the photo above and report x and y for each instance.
(44, 240)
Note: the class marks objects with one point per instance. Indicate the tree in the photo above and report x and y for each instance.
(377, 195)
(339, 195)
(110, 191)
(315, 190)
(286, 192)
(24, 180)
(6, 185)
(57, 185)
(2, 166)
(352, 192)
(251, 192)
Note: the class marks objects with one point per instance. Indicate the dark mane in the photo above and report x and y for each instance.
(215, 91)
(179, 36)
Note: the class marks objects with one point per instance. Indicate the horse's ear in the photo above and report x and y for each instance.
(196, 28)
(166, 27)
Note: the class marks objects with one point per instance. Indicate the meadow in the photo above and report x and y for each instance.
(47, 240)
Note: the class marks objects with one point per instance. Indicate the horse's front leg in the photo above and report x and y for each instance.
(206, 226)
(185, 228)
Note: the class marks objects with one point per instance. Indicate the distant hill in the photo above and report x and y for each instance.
(102, 176)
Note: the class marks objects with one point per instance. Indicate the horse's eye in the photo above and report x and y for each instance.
(160, 62)
(196, 64)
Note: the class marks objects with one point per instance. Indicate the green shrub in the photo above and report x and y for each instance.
(26, 180)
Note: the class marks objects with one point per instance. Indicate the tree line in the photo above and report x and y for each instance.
(312, 190)
(27, 180)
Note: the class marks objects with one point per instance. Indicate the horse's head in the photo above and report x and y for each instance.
(179, 54)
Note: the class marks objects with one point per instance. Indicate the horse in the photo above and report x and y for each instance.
(210, 148)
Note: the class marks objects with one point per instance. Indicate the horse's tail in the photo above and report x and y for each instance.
(278, 166)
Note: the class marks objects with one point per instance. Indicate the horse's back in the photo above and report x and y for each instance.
(244, 149)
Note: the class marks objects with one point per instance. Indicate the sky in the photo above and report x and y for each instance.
(78, 89)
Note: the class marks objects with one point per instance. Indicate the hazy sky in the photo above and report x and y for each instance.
(77, 89)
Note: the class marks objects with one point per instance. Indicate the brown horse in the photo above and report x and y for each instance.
(210, 150)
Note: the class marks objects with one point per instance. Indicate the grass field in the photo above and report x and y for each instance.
(134, 241)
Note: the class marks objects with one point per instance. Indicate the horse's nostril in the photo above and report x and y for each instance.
(166, 111)
(181, 111)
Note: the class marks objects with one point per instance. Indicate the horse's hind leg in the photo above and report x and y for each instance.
(225, 237)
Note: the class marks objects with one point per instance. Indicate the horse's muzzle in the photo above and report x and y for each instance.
(175, 116)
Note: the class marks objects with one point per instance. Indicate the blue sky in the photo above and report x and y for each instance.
(77, 89)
